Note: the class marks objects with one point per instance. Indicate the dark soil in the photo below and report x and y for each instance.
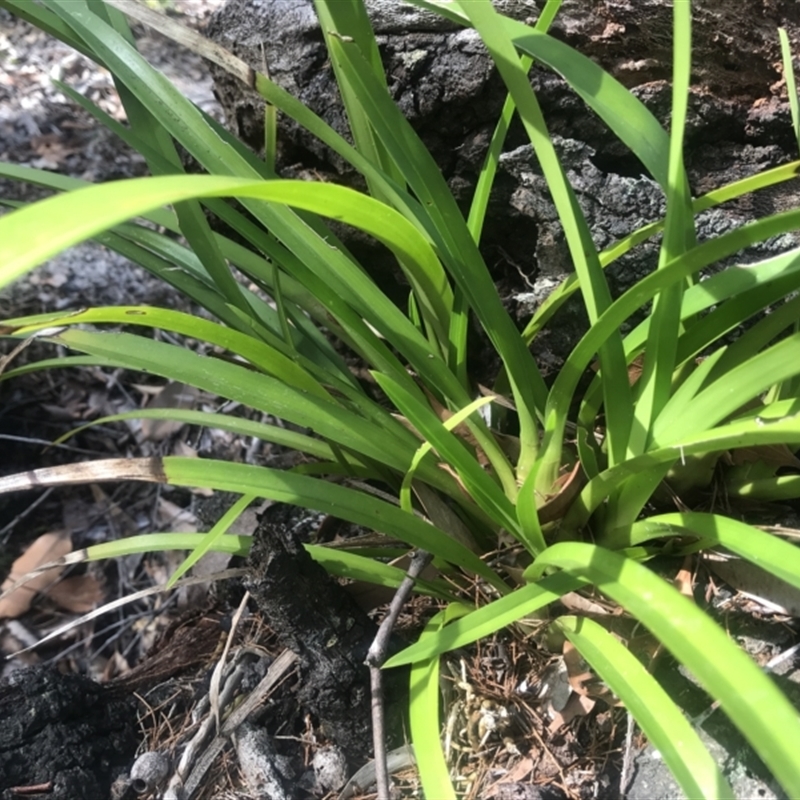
(290, 589)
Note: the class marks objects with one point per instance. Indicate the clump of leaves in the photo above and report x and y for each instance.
(458, 484)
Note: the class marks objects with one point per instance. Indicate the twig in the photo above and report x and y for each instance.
(46, 443)
(6, 529)
(198, 757)
(627, 761)
(378, 732)
(32, 789)
(216, 675)
(781, 657)
(699, 719)
(375, 658)
(7, 359)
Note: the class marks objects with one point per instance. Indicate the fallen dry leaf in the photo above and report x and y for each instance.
(182, 449)
(78, 594)
(774, 455)
(683, 580)
(516, 774)
(115, 667)
(582, 679)
(579, 705)
(173, 395)
(555, 690)
(14, 638)
(48, 547)
(578, 603)
(174, 518)
(566, 488)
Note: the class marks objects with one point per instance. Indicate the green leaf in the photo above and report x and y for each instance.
(391, 443)
(528, 503)
(481, 487)
(455, 245)
(772, 489)
(747, 288)
(337, 562)
(597, 296)
(480, 200)
(210, 539)
(566, 382)
(627, 116)
(347, 19)
(776, 423)
(655, 384)
(791, 87)
(261, 355)
(239, 425)
(354, 506)
(491, 618)
(303, 235)
(733, 387)
(77, 216)
(356, 567)
(764, 550)
(731, 191)
(424, 716)
(46, 21)
(155, 542)
(281, 486)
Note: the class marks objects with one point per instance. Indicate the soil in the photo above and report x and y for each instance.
(139, 681)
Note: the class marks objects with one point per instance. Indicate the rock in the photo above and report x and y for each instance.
(330, 769)
(149, 770)
(261, 765)
(739, 763)
(652, 779)
(65, 732)
(442, 79)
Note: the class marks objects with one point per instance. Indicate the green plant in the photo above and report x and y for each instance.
(628, 437)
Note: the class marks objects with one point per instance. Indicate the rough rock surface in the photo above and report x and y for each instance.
(442, 79)
(65, 733)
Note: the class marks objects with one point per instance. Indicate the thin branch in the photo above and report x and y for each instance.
(6, 530)
(627, 763)
(375, 659)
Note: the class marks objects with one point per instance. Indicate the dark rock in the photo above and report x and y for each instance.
(65, 732)
(652, 779)
(741, 766)
(442, 79)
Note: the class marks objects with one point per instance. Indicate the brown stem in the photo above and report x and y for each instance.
(375, 659)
